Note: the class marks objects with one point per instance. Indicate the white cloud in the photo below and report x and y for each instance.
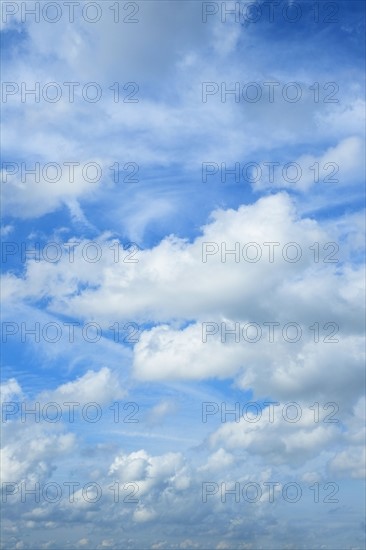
(26, 197)
(280, 441)
(6, 230)
(142, 515)
(43, 450)
(151, 473)
(336, 168)
(100, 387)
(159, 285)
(218, 460)
(350, 462)
(10, 390)
(159, 412)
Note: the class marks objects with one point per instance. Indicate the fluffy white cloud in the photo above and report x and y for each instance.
(100, 387)
(279, 441)
(279, 368)
(44, 449)
(171, 280)
(151, 473)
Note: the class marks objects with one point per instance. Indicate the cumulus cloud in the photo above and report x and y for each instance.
(100, 387)
(156, 282)
(151, 472)
(43, 450)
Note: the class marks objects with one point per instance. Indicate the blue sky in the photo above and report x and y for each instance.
(299, 179)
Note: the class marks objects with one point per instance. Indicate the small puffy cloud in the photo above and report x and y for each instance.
(6, 230)
(10, 390)
(157, 414)
(151, 473)
(83, 542)
(101, 387)
(143, 515)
